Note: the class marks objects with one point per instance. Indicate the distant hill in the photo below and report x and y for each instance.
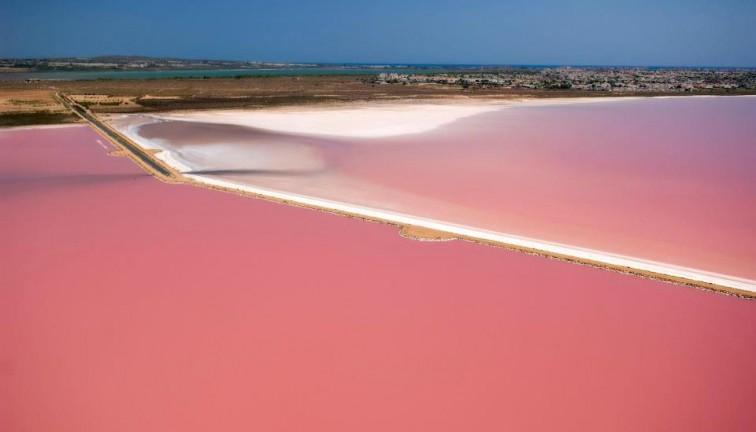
(133, 62)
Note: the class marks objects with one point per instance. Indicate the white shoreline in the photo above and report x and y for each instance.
(377, 119)
(371, 121)
(522, 242)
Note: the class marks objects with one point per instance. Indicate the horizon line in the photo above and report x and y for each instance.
(392, 63)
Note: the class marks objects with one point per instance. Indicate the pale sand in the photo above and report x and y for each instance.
(364, 120)
(357, 120)
(361, 121)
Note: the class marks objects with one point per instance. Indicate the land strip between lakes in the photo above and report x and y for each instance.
(422, 229)
(142, 157)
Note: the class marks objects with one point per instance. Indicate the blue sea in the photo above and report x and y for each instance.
(335, 69)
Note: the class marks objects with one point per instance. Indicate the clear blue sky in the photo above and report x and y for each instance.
(605, 32)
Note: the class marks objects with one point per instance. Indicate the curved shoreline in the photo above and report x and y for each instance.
(625, 264)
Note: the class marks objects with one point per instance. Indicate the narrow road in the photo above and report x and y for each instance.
(144, 158)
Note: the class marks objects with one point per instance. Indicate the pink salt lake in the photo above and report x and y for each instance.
(127, 304)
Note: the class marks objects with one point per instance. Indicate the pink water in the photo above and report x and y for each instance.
(127, 304)
(668, 180)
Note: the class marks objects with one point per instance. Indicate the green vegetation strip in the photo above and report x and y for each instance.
(35, 118)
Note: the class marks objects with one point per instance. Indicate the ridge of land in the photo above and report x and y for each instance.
(23, 103)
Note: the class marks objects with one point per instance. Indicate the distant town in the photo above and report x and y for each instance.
(590, 79)
(30, 89)
(466, 77)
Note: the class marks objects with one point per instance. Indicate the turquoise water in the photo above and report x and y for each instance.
(216, 73)
(347, 69)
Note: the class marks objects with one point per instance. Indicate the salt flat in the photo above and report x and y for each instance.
(364, 121)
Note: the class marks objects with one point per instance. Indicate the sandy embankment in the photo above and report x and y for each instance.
(365, 120)
(373, 121)
(381, 121)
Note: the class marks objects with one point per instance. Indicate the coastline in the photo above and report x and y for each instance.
(477, 101)
(358, 115)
